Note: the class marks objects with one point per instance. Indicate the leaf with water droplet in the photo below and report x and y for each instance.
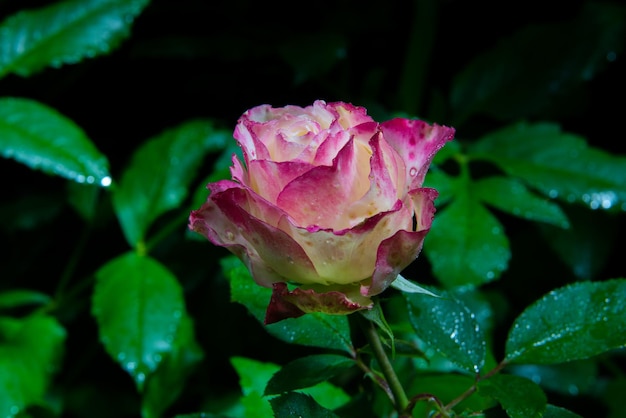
(447, 325)
(65, 32)
(137, 304)
(43, 139)
(518, 396)
(31, 349)
(315, 329)
(512, 196)
(570, 323)
(299, 405)
(466, 244)
(165, 385)
(558, 164)
(160, 172)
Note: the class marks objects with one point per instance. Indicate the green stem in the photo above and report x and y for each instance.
(400, 399)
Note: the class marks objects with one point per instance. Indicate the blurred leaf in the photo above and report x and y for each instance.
(558, 412)
(556, 163)
(19, 297)
(316, 330)
(445, 184)
(466, 244)
(300, 405)
(540, 61)
(448, 326)
(512, 196)
(201, 415)
(571, 323)
(571, 378)
(159, 174)
(447, 387)
(167, 383)
(41, 138)
(138, 305)
(313, 55)
(587, 245)
(64, 33)
(450, 150)
(518, 396)
(30, 352)
(307, 371)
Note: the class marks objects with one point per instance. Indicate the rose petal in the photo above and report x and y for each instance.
(269, 178)
(292, 304)
(270, 253)
(349, 256)
(417, 142)
(397, 252)
(345, 182)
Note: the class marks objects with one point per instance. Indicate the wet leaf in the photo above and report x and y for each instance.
(316, 330)
(518, 396)
(294, 404)
(449, 327)
(558, 412)
(466, 244)
(43, 139)
(30, 353)
(557, 163)
(65, 32)
(512, 196)
(138, 305)
(159, 174)
(570, 323)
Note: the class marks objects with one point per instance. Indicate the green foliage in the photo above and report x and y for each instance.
(571, 323)
(64, 33)
(138, 305)
(115, 114)
(40, 137)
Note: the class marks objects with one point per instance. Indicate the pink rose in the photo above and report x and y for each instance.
(328, 200)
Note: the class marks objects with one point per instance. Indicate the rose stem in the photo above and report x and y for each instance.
(401, 401)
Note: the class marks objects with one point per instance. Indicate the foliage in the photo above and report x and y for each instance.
(114, 114)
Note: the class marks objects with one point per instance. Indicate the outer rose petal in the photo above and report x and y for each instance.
(397, 252)
(285, 304)
(417, 142)
(270, 253)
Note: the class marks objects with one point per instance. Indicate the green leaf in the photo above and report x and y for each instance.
(511, 196)
(557, 164)
(307, 371)
(138, 305)
(30, 352)
(377, 316)
(43, 139)
(570, 323)
(64, 33)
(558, 412)
(571, 378)
(159, 174)
(539, 61)
(316, 330)
(407, 286)
(19, 297)
(448, 326)
(445, 185)
(518, 396)
(167, 383)
(294, 404)
(466, 244)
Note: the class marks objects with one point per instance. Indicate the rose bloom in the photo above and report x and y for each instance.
(328, 200)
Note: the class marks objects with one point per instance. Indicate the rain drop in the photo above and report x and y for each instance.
(413, 172)
(106, 181)
(230, 236)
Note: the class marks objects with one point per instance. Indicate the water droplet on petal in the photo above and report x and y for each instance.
(413, 172)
